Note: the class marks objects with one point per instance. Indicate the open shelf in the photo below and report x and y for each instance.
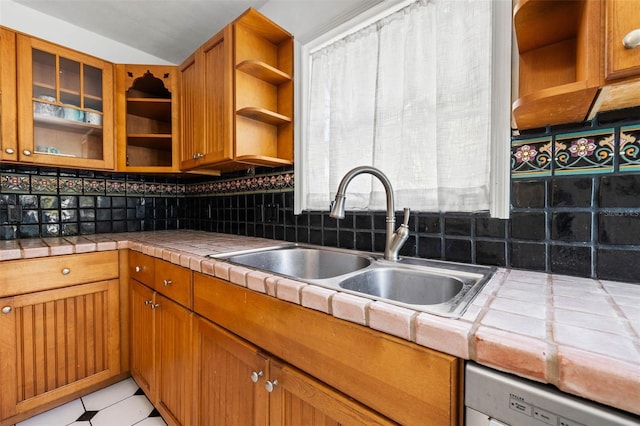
(150, 140)
(152, 108)
(559, 60)
(264, 71)
(264, 115)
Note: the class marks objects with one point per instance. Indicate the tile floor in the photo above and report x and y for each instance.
(121, 404)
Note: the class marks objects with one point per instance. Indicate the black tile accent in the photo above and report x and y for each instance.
(86, 416)
(620, 228)
(618, 265)
(490, 227)
(491, 253)
(457, 226)
(571, 260)
(528, 194)
(571, 227)
(620, 191)
(528, 226)
(458, 250)
(571, 192)
(531, 256)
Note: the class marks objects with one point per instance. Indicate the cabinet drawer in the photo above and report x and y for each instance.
(141, 267)
(174, 282)
(29, 275)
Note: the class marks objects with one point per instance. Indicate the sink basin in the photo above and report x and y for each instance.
(433, 286)
(303, 262)
(405, 285)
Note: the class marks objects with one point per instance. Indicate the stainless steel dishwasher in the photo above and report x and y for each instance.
(493, 398)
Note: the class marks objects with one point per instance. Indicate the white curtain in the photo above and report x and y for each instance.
(409, 95)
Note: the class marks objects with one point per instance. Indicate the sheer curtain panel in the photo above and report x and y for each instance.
(410, 95)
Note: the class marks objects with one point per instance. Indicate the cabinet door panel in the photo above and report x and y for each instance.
(218, 105)
(8, 100)
(142, 341)
(622, 16)
(298, 399)
(225, 394)
(54, 342)
(174, 348)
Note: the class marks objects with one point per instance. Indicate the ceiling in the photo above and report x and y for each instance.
(172, 29)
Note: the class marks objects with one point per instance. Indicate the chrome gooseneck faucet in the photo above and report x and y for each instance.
(395, 239)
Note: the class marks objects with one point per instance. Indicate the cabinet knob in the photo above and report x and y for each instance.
(167, 282)
(9, 151)
(155, 306)
(26, 152)
(270, 385)
(197, 156)
(6, 309)
(147, 302)
(139, 268)
(632, 39)
(65, 271)
(255, 376)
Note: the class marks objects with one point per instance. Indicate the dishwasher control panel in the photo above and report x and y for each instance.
(520, 402)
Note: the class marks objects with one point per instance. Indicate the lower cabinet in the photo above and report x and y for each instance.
(56, 343)
(232, 356)
(237, 384)
(161, 352)
(227, 372)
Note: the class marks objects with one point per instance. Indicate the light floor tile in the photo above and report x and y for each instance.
(103, 398)
(152, 421)
(59, 416)
(126, 412)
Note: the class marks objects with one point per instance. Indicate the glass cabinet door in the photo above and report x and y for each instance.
(69, 119)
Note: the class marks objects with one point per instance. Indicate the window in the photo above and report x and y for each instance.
(423, 94)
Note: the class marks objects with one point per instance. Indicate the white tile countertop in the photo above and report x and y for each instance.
(579, 334)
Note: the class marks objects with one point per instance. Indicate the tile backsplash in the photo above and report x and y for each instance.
(575, 208)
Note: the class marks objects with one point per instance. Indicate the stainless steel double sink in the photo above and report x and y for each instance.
(437, 287)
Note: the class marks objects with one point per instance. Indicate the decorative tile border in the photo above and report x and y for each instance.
(27, 183)
(584, 152)
(629, 151)
(531, 157)
(15, 183)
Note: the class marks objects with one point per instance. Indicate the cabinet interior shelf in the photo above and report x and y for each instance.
(263, 71)
(264, 115)
(153, 108)
(58, 123)
(262, 160)
(160, 141)
(541, 23)
(52, 88)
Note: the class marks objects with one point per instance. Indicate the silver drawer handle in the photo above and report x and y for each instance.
(139, 268)
(167, 282)
(6, 310)
(26, 152)
(632, 39)
(66, 271)
(269, 386)
(9, 151)
(155, 306)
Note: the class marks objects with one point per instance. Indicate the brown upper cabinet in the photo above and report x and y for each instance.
(572, 62)
(8, 124)
(237, 98)
(65, 106)
(147, 118)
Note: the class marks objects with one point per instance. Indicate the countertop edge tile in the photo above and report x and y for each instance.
(593, 376)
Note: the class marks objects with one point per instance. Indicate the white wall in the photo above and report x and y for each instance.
(32, 22)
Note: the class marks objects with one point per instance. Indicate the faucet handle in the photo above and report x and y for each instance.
(405, 221)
